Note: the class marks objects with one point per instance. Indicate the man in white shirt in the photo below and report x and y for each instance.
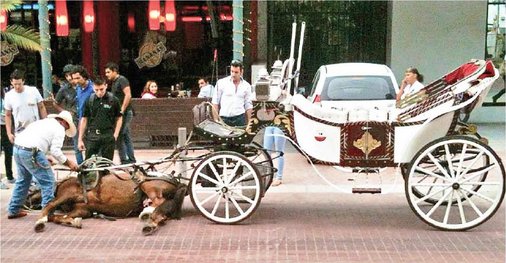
(206, 89)
(232, 98)
(30, 148)
(24, 103)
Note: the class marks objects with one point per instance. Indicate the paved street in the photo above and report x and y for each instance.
(303, 220)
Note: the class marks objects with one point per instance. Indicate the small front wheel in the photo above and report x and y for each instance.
(226, 187)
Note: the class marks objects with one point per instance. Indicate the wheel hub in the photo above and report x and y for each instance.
(455, 186)
(224, 189)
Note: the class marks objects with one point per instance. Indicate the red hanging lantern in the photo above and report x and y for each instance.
(154, 14)
(62, 21)
(3, 20)
(170, 15)
(131, 22)
(88, 16)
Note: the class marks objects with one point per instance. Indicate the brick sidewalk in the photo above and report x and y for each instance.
(303, 220)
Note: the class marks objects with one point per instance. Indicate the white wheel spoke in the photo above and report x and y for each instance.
(448, 207)
(475, 208)
(236, 205)
(215, 208)
(216, 174)
(472, 164)
(449, 160)
(243, 187)
(478, 195)
(438, 204)
(430, 195)
(234, 172)
(207, 189)
(473, 175)
(209, 179)
(438, 165)
(432, 184)
(432, 174)
(227, 208)
(209, 198)
(461, 209)
(481, 183)
(243, 197)
(461, 161)
(240, 178)
(225, 169)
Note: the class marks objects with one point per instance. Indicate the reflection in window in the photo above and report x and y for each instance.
(496, 30)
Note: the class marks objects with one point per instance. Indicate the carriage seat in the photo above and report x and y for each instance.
(342, 115)
(208, 127)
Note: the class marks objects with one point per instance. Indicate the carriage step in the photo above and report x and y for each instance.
(365, 170)
(363, 190)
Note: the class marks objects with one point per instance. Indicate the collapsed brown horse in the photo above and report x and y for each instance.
(116, 195)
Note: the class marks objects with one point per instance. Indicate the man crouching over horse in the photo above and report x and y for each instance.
(30, 148)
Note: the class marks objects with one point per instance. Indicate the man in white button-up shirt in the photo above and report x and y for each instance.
(30, 148)
(232, 97)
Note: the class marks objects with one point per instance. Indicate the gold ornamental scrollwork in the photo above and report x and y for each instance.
(367, 143)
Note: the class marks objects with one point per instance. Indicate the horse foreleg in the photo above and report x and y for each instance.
(50, 207)
(73, 218)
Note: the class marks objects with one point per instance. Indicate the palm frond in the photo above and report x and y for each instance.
(9, 5)
(22, 37)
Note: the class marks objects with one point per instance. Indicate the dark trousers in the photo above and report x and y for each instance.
(7, 148)
(239, 120)
(100, 145)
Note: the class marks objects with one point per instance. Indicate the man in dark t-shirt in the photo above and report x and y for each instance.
(120, 87)
(101, 122)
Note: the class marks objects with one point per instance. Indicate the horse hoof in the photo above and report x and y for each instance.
(39, 227)
(40, 224)
(146, 213)
(77, 222)
(148, 230)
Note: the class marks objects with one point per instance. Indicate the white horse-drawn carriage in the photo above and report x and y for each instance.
(452, 179)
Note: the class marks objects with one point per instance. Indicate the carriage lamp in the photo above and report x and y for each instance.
(62, 23)
(88, 16)
(170, 15)
(154, 14)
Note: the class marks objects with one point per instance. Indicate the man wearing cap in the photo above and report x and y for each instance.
(30, 148)
(66, 99)
(101, 122)
(232, 97)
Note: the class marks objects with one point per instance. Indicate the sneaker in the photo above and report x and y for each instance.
(276, 182)
(11, 181)
(3, 186)
(18, 215)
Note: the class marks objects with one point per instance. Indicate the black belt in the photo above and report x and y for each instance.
(100, 131)
(26, 148)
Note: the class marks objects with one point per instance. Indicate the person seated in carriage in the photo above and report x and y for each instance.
(411, 83)
(232, 97)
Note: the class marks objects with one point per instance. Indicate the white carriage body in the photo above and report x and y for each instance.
(369, 134)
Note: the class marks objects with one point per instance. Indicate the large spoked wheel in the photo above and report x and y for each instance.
(263, 162)
(226, 187)
(464, 179)
(443, 157)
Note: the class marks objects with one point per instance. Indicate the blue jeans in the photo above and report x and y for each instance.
(79, 154)
(27, 169)
(124, 142)
(276, 143)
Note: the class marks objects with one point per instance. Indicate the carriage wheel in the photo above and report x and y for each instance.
(441, 157)
(226, 187)
(263, 162)
(464, 176)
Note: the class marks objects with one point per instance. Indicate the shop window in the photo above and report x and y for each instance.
(496, 30)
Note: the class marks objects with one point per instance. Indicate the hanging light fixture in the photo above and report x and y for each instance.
(131, 22)
(62, 21)
(154, 14)
(88, 16)
(170, 15)
(3, 20)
